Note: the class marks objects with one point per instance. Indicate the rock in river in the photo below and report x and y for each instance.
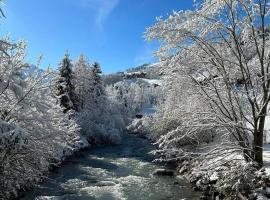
(163, 172)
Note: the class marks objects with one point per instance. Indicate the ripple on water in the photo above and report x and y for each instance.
(99, 173)
(74, 184)
(113, 173)
(113, 192)
(133, 166)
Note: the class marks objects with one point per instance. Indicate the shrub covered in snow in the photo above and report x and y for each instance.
(230, 179)
(34, 131)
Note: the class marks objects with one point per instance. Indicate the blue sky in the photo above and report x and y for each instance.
(107, 31)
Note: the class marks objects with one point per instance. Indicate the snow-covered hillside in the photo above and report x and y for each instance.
(139, 88)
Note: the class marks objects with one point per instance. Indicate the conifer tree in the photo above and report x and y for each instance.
(65, 85)
(98, 88)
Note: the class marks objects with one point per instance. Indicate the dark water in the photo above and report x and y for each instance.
(112, 173)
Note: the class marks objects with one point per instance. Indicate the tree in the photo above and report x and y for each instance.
(222, 49)
(98, 88)
(89, 87)
(65, 85)
(100, 119)
(34, 131)
(83, 81)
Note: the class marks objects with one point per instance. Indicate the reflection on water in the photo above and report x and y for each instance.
(112, 173)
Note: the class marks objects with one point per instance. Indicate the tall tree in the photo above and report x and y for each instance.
(65, 85)
(33, 129)
(221, 49)
(98, 88)
(89, 87)
(83, 81)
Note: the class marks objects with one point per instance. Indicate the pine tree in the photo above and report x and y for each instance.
(65, 85)
(98, 88)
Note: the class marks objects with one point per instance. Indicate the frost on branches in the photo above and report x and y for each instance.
(100, 119)
(216, 61)
(45, 117)
(34, 132)
(220, 52)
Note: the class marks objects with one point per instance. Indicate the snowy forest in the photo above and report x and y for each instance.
(203, 107)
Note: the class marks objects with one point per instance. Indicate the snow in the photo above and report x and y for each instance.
(267, 129)
(130, 81)
(214, 177)
(266, 147)
(143, 80)
(152, 81)
(266, 157)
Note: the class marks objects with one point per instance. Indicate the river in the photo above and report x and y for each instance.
(112, 173)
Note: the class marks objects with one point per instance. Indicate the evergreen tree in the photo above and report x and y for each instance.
(65, 85)
(98, 88)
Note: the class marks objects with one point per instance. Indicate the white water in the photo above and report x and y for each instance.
(112, 173)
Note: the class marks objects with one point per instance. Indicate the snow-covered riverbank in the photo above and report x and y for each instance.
(79, 143)
(215, 177)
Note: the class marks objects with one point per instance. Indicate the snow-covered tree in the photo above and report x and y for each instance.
(98, 87)
(65, 85)
(222, 49)
(34, 130)
(99, 118)
(83, 81)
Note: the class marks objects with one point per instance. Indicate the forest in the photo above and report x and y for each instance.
(204, 106)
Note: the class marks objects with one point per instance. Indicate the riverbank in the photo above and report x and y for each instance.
(225, 176)
(79, 143)
(233, 181)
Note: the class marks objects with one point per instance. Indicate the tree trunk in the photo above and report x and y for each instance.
(258, 140)
(258, 148)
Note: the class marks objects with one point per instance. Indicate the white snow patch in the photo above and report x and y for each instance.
(266, 157)
(214, 176)
(267, 129)
(152, 81)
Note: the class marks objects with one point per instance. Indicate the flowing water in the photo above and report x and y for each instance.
(112, 173)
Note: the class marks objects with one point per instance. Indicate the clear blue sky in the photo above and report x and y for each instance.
(107, 31)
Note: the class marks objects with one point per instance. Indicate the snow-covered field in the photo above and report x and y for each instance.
(266, 157)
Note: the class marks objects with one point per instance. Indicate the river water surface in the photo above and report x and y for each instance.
(112, 173)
